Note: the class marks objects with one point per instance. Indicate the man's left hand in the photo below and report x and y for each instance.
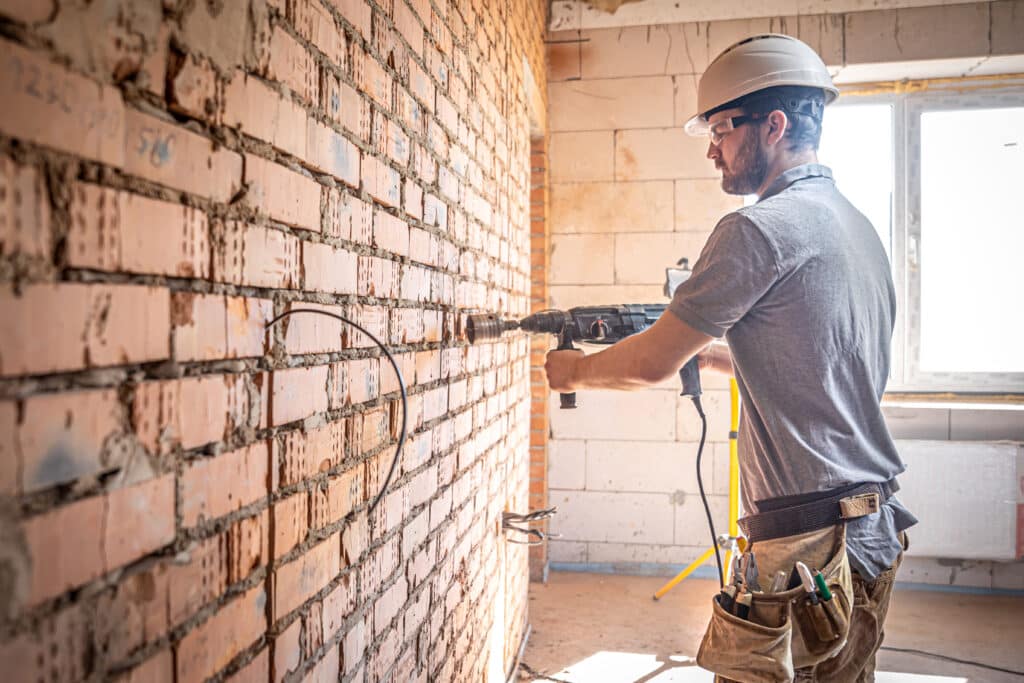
(562, 369)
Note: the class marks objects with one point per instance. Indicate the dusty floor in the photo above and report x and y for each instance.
(603, 628)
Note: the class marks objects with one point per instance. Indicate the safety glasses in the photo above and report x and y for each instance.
(719, 129)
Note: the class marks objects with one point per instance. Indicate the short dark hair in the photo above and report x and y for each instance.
(803, 106)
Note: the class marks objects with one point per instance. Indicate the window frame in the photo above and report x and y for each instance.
(909, 102)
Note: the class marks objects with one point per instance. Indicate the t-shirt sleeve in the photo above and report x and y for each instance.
(735, 269)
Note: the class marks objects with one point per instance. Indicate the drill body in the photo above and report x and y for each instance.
(588, 324)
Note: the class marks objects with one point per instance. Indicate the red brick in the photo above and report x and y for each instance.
(328, 152)
(413, 199)
(435, 212)
(292, 65)
(139, 520)
(390, 233)
(258, 110)
(389, 604)
(381, 181)
(282, 194)
(287, 652)
(313, 333)
(296, 582)
(328, 269)
(373, 79)
(365, 380)
(353, 647)
(426, 168)
(256, 671)
(72, 326)
(66, 547)
(196, 578)
(302, 455)
(117, 231)
(348, 218)
(338, 604)
(372, 432)
(188, 412)
(24, 212)
(377, 277)
(246, 320)
(315, 24)
(211, 326)
(398, 147)
(423, 247)
(407, 325)
(406, 365)
(332, 501)
(62, 437)
(421, 86)
(214, 487)
(27, 11)
(175, 157)
(344, 105)
(157, 669)
(56, 650)
(132, 613)
(43, 101)
(327, 669)
(255, 256)
(10, 458)
(373, 319)
(415, 283)
(211, 645)
(290, 523)
(248, 545)
(193, 89)
(355, 12)
(298, 393)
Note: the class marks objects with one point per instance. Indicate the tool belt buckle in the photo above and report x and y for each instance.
(859, 506)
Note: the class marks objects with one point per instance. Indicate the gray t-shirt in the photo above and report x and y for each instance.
(800, 287)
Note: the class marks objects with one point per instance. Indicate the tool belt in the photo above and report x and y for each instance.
(792, 515)
(763, 633)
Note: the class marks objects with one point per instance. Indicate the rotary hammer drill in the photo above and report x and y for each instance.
(589, 324)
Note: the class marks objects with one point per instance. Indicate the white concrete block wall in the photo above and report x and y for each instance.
(631, 193)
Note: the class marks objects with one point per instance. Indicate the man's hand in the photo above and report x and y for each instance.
(561, 368)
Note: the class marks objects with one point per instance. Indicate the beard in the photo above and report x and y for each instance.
(748, 170)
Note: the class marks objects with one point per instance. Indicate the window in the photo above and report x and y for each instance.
(941, 177)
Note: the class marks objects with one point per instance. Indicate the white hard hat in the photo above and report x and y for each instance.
(756, 63)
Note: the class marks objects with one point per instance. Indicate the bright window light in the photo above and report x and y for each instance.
(972, 238)
(856, 143)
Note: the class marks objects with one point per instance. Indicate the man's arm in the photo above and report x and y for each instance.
(716, 358)
(638, 361)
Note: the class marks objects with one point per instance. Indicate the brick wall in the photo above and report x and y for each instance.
(184, 496)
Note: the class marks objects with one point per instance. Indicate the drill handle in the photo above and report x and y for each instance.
(565, 344)
(689, 374)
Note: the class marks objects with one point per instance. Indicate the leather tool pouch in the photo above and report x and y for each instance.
(784, 631)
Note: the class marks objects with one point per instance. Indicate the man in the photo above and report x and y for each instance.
(799, 286)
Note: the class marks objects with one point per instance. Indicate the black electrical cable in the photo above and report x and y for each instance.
(700, 485)
(401, 386)
(968, 662)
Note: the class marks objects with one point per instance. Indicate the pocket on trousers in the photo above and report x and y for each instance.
(743, 650)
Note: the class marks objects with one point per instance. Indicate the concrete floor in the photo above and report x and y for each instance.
(606, 628)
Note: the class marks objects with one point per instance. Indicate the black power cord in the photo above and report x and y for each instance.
(401, 386)
(700, 485)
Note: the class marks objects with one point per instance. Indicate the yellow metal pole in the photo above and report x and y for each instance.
(686, 572)
(734, 496)
(734, 469)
